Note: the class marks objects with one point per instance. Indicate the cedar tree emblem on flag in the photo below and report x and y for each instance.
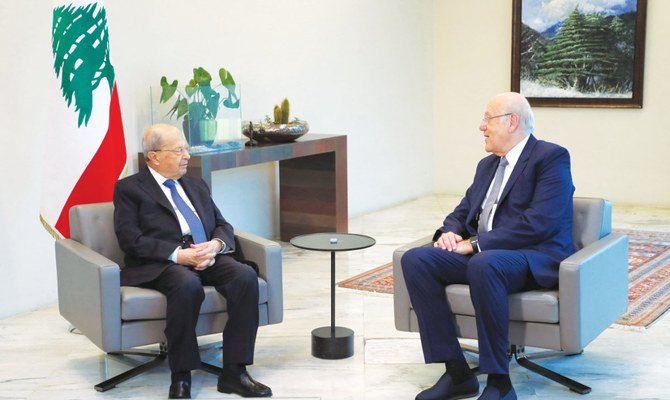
(87, 135)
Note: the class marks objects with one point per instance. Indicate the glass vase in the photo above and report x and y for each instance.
(209, 126)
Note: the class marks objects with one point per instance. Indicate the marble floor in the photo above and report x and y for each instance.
(41, 359)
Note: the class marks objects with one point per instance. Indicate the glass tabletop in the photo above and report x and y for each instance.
(332, 241)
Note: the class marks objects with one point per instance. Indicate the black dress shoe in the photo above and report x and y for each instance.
(180, 390)
(492, 393)
(446, 389)
(242, 384)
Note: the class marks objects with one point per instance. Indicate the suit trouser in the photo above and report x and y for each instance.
(492, 275)
(183, 287)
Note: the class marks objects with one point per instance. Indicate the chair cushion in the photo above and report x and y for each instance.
(592, 220)
(531, 306)
(93, 226)
(140, 303)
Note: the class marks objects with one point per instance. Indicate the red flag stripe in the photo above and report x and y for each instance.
(96, 184)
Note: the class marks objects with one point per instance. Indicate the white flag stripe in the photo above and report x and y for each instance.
(73, 147)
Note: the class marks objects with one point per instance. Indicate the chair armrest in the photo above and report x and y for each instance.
(267, 254)
(593, 290)
(401, 303)
(89, 293)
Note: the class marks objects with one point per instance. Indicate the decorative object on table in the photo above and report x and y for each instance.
(209, 114)
(250, 135)
(277, 130)
(586, 56)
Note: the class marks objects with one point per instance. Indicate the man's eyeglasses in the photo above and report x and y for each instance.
(180, 151)
(487, 119)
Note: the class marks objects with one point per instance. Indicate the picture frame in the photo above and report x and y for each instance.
(605, 68)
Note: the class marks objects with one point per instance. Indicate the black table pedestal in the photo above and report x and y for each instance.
(332, 344)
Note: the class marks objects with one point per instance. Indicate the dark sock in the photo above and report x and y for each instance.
(501, 382)
(234, 369)
(181, 376)
(459, 370)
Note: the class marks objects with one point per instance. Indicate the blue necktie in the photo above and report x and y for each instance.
(194, 223)
(493, 197)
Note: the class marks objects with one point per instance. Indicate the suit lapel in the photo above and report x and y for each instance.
(488, 174)
(479, 190)
(151, 187)
(519, 167)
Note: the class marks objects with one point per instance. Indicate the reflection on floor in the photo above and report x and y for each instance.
(42, 360)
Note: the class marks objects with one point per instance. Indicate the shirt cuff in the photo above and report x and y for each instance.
(173, 256)
(223, 245)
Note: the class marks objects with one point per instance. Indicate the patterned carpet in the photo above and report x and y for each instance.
(648, 272)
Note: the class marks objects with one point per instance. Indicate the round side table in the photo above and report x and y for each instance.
(332, 342)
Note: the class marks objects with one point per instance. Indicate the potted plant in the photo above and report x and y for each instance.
(277, 130)
(198, 103)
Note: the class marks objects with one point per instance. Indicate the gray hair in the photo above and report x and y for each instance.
(529, 121)
(152, 138)
(518, 104)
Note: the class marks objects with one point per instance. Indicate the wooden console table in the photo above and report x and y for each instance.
(312, 180)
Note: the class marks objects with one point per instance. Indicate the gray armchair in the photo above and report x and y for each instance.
(592, 293)
(117, 318)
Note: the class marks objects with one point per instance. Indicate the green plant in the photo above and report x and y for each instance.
(281, 113)
(278, 129)
(199, 100)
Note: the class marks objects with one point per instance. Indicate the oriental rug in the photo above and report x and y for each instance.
(648, 274)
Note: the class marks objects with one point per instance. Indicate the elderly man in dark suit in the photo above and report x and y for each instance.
(176, 241)
(508, 234)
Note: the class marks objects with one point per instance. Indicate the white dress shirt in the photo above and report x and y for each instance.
(512, 158)
(185, 229)
(160, 179)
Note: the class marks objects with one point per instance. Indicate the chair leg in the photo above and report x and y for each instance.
(212, 369)
(158, 358)
(523, 360)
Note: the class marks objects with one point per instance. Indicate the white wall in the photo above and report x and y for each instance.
(388, 73)
(619, 154)
(357, 67)
(27, 263)
(360, 68)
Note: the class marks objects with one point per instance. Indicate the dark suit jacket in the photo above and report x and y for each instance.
(147, 227)
(534, 213)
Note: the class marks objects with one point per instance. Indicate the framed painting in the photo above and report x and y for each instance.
(579, 53)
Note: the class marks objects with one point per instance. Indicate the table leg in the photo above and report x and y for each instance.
(332, 342)
(332, 293)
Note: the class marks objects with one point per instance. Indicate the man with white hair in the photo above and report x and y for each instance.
(175, 241)
(508, 234)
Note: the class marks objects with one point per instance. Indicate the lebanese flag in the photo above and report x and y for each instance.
(86, 151)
